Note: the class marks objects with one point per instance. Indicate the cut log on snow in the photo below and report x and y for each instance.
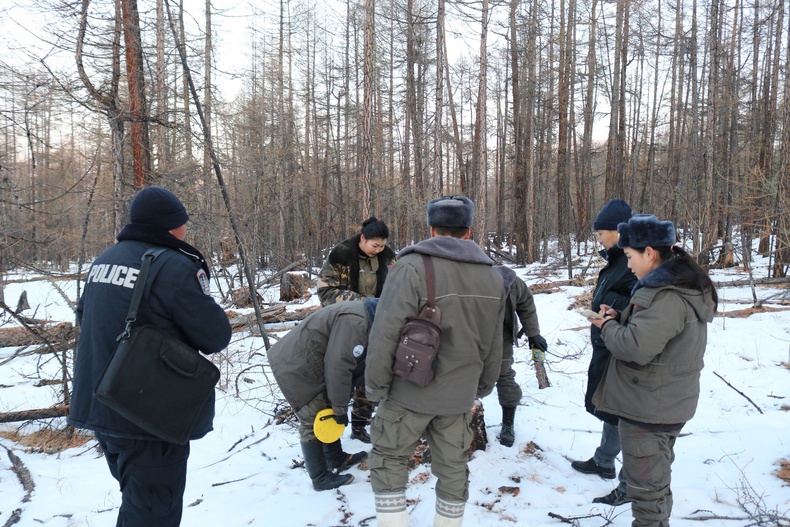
(29, 415)
(478, 424)
(294, 286)
(540, 373)
(241, 297)
(38, 334)
(270, 315)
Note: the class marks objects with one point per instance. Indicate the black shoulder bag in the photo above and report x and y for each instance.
(153, 379)
(415, 356)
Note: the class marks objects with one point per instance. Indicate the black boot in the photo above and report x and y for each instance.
(359, 432)
(338, 460)
(507, 436)
(358, 425)
(315, 463)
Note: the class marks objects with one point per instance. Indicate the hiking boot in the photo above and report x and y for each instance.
(337, 460)
(507, 435)
(591, 467)
(350, 461)
(359, 432)
(614, 498)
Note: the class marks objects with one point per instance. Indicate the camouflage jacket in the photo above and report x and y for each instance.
(343, 276)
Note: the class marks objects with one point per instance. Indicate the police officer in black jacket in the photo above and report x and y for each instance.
(151, 472)
(613, 288)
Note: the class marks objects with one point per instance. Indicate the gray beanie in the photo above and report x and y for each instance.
(646, 230)
(158, 207)
(615, 211)
(451, 211)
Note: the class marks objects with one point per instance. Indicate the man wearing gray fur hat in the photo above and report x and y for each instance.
(471, 298)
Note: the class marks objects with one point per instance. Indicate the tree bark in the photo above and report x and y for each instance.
(138, 111)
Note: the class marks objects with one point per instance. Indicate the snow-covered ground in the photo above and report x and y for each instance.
(243, 472)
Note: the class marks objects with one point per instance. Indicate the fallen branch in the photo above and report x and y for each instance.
(738, 391)
(29, 415)
(23, 474)
(574, 520)
(713, 517)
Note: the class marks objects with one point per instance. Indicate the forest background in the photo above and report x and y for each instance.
(317, 114)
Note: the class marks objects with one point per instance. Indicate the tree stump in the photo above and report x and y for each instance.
(479, 435)
(241, 297)
(293, 286)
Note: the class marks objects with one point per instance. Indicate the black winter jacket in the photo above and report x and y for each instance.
(174, 301)
(613, 288)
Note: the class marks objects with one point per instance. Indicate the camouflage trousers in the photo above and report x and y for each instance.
(361, 408)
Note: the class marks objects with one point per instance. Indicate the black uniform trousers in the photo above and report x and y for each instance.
(152, 475)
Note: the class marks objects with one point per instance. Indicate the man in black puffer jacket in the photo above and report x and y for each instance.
(613, 288)
(151, 472)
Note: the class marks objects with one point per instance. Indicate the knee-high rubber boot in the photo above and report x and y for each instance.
(391, 510)
(315, 463)
(507, 436)
(339, 460)
(449, 513)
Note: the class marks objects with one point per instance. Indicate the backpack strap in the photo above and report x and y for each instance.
(428, 262)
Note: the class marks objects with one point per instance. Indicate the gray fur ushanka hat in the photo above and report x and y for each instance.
(646, 230)
(451, 211)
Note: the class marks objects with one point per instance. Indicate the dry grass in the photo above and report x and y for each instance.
(783, 472)
(48, 440)
(749, 311)
(581, 301)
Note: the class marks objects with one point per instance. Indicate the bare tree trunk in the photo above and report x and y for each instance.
(161, 98)
(562, 180)
(138, 110)
(185, 89)
(207, 98)
(782, 260)
(109, 103)
(209, 145)
(366, 161)
(614, 150)
(438, 183)
(479, 150)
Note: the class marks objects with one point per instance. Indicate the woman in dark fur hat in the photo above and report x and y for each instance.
(657, 344)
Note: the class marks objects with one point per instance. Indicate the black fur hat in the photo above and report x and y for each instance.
(451, 211)
(646, 230)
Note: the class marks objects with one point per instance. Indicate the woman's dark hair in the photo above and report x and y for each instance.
(375, 228)
(684, 270)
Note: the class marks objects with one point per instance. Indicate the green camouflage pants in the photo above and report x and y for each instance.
(361, 408)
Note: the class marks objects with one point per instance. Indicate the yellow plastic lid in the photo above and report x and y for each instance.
(325, 428)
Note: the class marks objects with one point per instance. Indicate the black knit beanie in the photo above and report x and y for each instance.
(614, 212)
(157, 207)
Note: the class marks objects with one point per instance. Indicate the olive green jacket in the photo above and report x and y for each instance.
(657, 354)
(471, 298)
